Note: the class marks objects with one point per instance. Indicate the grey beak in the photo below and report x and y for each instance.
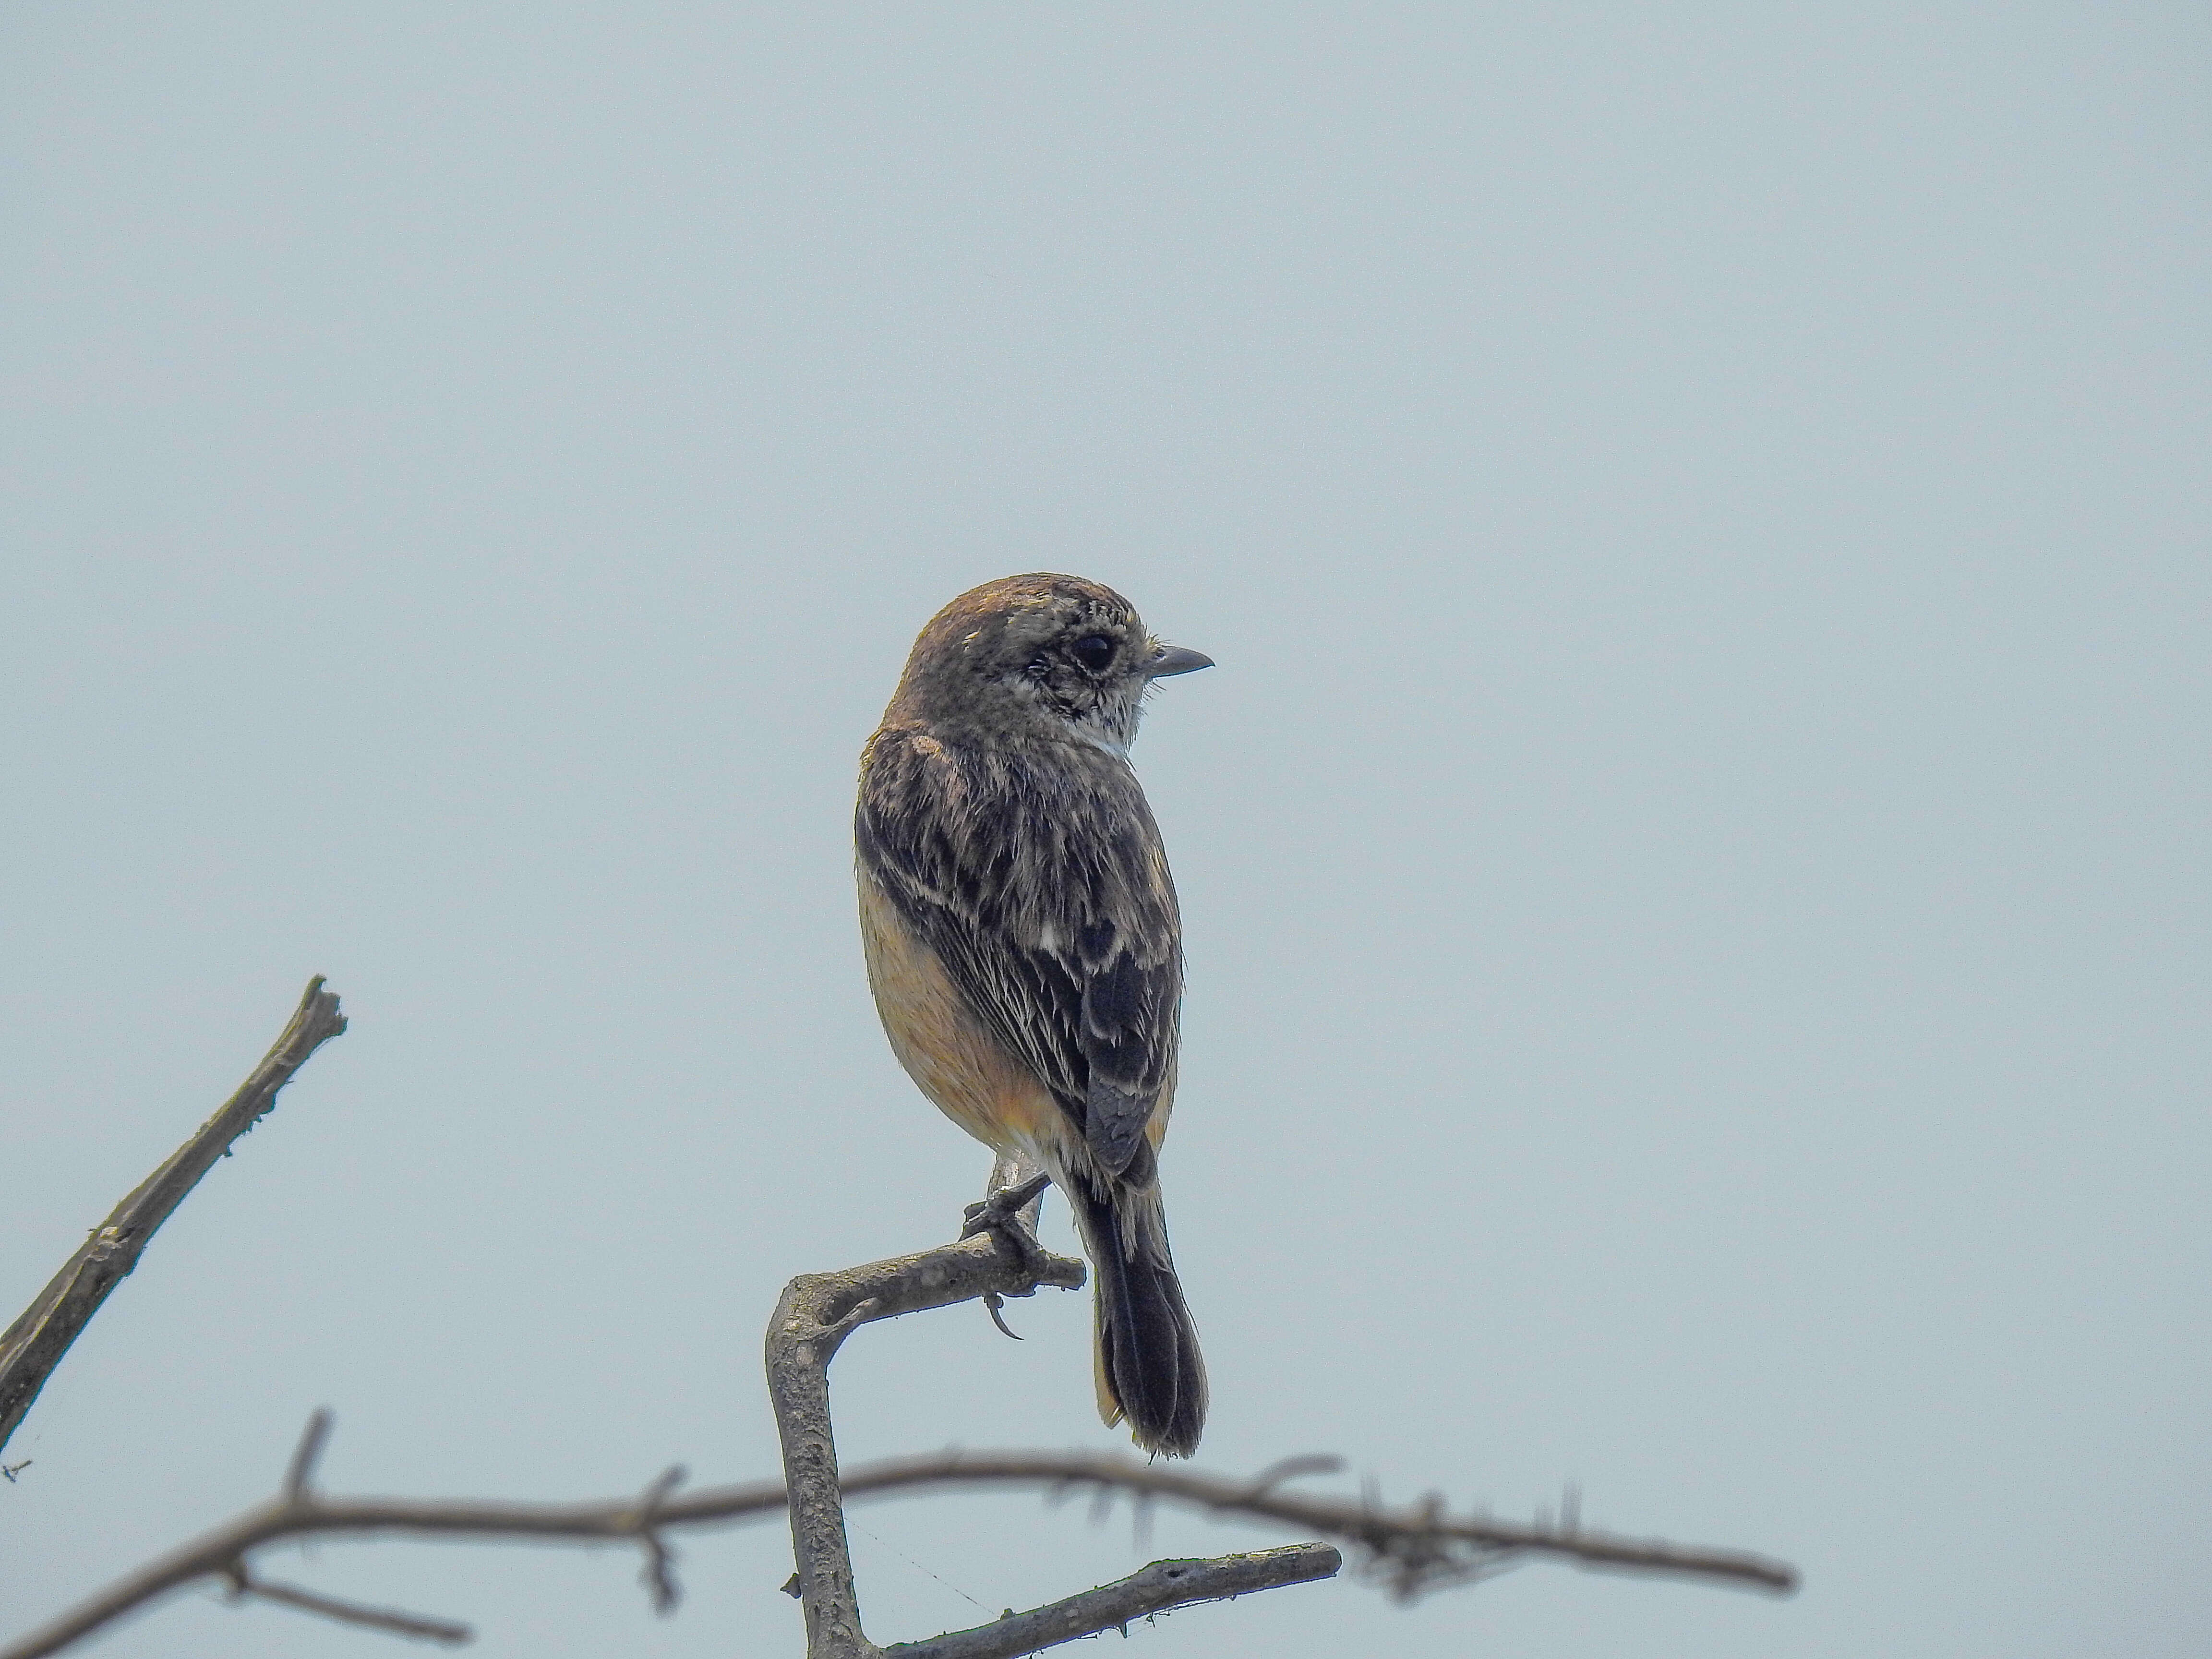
(1174, 660)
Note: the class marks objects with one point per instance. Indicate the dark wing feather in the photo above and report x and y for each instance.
(1041, 884)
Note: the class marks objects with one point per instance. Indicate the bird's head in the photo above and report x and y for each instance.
(1041, 658)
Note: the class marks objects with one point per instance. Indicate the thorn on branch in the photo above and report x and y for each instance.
(1418, 1554)
(658, 1574)
(845, 1323)
(1292, 1468)
(300, 1474)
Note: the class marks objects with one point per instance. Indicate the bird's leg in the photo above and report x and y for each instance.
(1011, 1213)
(1016, 1195)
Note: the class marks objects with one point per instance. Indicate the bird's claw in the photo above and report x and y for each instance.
(992, 1302)
(1002, 1213)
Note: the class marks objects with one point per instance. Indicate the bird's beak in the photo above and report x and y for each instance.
(1174, 660)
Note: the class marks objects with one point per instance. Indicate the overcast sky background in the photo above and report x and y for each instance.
(1693, 857)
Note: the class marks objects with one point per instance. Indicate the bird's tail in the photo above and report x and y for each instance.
(1148, 1368)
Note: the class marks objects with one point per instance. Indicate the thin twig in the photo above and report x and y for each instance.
(1292, 1468)
(1160, 1588)
(421, 1625)
(32, 1347)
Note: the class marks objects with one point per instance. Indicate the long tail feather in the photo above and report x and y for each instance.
(1148, 1366)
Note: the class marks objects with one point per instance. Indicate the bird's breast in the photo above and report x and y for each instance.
(943, 1046)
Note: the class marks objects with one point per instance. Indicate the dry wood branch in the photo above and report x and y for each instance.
(818, 1312)
(1408, 1534)
(32, 1347)
(1160, 1588)
(1386, 1534)
(1411, 1549)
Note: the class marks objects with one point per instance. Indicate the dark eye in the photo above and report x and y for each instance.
(1093, 651)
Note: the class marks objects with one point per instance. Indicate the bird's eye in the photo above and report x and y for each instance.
(1093, 651)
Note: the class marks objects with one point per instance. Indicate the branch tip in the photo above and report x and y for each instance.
(300, 1474)
(35, 1345)
(1292, 1468)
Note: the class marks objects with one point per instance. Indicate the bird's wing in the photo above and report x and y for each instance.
(1045, 893)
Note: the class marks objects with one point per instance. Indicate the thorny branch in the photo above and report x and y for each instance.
(1406, 1545)
(32, 1347)
(1411, 1549)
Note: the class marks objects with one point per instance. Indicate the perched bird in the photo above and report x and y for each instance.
(1022, 939)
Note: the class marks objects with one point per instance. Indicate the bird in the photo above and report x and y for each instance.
(1024, 945)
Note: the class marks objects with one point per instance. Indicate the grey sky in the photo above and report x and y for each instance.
(1692, 858)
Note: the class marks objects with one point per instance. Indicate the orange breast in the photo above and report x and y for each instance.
(945, 1049)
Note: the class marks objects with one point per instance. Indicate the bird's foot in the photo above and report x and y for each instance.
(1002, 1213)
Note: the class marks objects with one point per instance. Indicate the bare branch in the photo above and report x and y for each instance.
(1412, 1550)
(1386, 1535)
(1160, 1588)
(32, 1347)
(818, 1312)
